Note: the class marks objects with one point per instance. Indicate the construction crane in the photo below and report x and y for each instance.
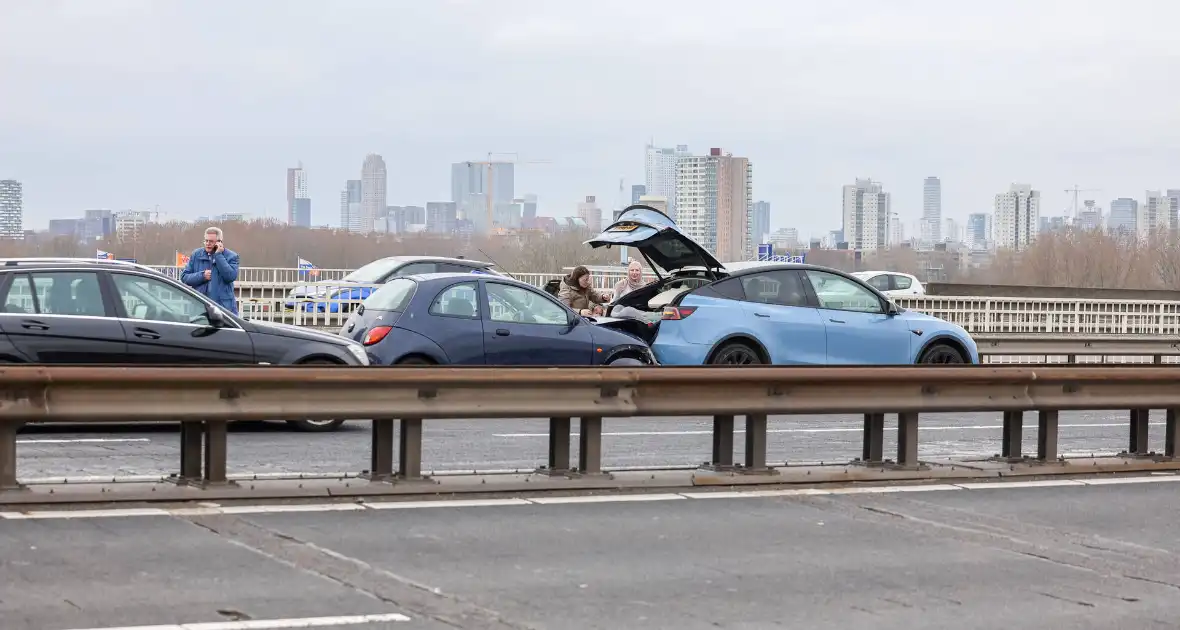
(1076, 191)
(489, 182)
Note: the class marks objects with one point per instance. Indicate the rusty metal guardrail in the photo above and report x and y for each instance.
(203, 400)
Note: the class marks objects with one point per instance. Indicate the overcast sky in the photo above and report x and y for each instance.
(199, 106)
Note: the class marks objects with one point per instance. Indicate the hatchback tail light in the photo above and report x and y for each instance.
(376, 334)
(677, 312)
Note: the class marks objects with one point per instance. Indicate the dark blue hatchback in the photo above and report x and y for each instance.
(476, 319)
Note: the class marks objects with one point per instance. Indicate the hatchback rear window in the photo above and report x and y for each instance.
(394, 295)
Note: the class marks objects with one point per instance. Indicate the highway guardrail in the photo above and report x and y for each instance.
(205, 399)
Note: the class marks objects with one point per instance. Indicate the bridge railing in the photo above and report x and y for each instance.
(205, 399)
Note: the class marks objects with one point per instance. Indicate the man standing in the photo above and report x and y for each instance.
(212, 270)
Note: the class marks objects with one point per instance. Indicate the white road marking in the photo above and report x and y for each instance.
(270, 624)
(971, 427)
(213, 509)
(81, 440)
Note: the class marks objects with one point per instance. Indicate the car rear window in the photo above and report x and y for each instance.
(392, 296)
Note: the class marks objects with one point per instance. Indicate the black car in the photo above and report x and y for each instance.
(93, 311)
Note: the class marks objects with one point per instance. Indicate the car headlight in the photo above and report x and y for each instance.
(358, 351)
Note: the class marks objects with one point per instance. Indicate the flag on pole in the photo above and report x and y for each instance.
(181, 259)
(106, 255)
(306, 266)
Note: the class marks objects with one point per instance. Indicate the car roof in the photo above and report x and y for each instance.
(17, 264)
(449, 275)
(458, 261)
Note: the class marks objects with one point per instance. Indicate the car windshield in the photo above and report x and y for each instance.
(373, 272)
(393, 296)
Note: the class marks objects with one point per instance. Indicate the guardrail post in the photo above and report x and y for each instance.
(873, 449)
(722, 458)
(190, 452)
(216, 446)
(381, 451)
(409, 450)
(1046, 435)
(8, 479)
(756, 443)
(1138, 433)
(590, 445)
(1171, 435)
(1013, 435)
(559, 447)
(907, 439)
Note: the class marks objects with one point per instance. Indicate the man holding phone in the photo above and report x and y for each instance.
(213, 269)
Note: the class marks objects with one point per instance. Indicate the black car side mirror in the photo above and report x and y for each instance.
(216, 317)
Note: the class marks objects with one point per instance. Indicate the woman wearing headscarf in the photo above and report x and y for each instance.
(633, 281)
(577, 293)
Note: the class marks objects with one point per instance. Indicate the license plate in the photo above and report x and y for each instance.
(625, 227)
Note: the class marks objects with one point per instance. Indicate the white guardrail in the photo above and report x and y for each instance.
(264, 294)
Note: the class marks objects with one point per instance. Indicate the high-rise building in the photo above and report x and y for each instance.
(1017, 217)
(896, 230)
(477, 188)
(660, 174)
(759, 222)
(529, 211)
(655, 201)
(12, 218)
(1173, 197)
(350, 205)
(637, 191)
(932, 210)
(129, 224)
(441, 217)
(1155, 214)
(1124, 215)
(979, 231)
(1090, 217)
(591, 214)
(373, 183)
(713, 200)
(298, 201)
(867, 213)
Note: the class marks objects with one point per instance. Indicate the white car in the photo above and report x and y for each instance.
(892, 283)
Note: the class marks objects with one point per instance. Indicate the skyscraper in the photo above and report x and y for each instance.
(1017, 217)
(350, 205)
(979, 231)
(12, 220)
(760, 222)
(713, 200)
(298, 202)
(932, 210)
(660, 173)
(637, 191)
(1124, 214)
(867, 213)
(478, 187)
(373, 182)
(589, 212)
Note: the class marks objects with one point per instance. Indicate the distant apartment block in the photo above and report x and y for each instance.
(477, 188)
(441, 217)
(654, 201)
(759, 222)
(979, 231)
(12, 223)
(1017, 217)
(298, 200)
(867, 210)
(1124, 216)
(373, 184)
(714, 196)
(660, 174)
(932, 210)
(350, 206)
(590, 214)
(637, 191)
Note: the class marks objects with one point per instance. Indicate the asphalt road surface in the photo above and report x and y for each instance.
(485, 445)
(1093, 557)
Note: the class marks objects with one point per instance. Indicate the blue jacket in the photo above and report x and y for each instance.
(220, 286)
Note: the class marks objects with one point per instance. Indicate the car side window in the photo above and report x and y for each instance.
(730, 289)
(149, 299)
(841, 294)
(879, 282)
(68, 293)
(414, 269)
(515, 304)
(902, 282)
(20, 296)
(458, 300)
(781, 288)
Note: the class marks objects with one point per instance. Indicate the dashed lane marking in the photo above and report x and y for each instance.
(213, 509)
(270, 624)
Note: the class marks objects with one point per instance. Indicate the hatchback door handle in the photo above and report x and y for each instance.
(761, 315)
(144, 333)
(32, 324)
(503, 332)
(836, 321)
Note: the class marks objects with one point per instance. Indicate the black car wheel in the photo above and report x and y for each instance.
(316, 426)
(941, 354)
(736, 354)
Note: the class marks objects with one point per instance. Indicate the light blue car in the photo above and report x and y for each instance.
(774, 313)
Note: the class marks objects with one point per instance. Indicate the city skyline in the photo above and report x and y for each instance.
(936, 91)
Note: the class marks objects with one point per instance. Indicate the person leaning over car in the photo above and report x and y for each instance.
(213, 269)
(577, 294)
